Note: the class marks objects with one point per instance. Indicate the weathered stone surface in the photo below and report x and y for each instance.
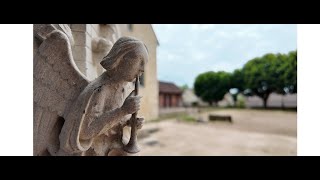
(101, 45)
(75, 116)
(82, 38)
(81, 27)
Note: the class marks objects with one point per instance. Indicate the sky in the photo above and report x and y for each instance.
(186, 50)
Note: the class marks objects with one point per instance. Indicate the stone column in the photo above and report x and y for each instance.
(82, 53)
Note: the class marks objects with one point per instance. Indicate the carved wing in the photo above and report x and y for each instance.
(56, 83)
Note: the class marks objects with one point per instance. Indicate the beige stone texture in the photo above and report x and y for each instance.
(76, 116)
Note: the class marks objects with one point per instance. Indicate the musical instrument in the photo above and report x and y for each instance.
(132, 146)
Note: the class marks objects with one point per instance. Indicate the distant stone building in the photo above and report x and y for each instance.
(169, 95)
(189, 98)
(226, 101)
(275, 100)
(93, 41)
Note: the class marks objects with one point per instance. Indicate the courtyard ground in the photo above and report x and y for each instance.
(253, 132)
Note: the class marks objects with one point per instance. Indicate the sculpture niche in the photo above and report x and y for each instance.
(73, 116)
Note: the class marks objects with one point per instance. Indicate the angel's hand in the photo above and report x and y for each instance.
(139, 123)
(131, 104)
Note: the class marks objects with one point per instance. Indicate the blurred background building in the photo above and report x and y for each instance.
(169, 95)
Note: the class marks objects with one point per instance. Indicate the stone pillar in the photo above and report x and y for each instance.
(82, 53)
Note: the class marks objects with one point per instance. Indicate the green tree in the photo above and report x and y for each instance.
(237, 79)
(236, 84)
(287, 71)
(212, 86)
(290, 73)
(280, 71)
(271, 73)
(262, 77)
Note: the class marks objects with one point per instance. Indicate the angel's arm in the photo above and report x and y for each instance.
(97, 123)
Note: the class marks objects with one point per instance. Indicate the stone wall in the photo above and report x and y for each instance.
(82, 49)
(275, 100)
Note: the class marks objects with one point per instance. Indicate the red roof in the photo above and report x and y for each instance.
(167, 87)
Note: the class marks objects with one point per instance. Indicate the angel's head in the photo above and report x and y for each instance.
(127, 58)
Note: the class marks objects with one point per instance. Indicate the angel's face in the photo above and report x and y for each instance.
(133, 65)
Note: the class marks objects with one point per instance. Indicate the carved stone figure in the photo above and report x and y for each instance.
(73, 116)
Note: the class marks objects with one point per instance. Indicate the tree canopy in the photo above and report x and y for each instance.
(237, 80)
(260, 76)
(212, 86)
(289, 77)
(271, 73)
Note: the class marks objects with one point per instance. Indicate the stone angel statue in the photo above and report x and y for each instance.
(76, 117)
